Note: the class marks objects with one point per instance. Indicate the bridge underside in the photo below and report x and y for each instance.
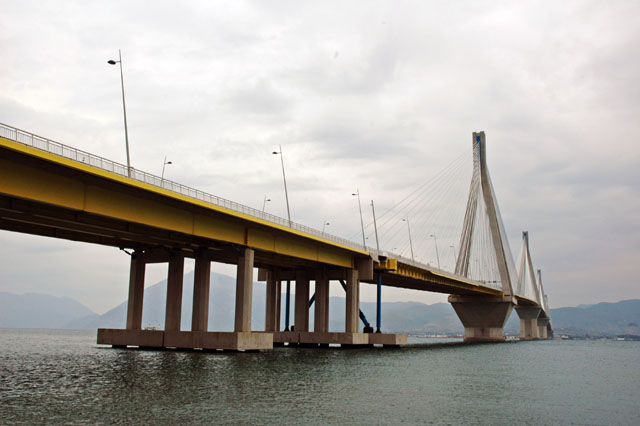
(42, 194)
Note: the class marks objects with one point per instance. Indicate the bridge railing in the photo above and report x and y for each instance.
(57, 148)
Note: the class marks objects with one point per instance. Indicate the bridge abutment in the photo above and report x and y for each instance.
(483, 317)
(529, 329)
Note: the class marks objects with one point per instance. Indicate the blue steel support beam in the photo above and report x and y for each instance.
(286, 306)
(379, 304)
(362, 317)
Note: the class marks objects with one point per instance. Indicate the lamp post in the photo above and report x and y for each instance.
(357, 193)
(264, 203)
(324, 223)
(436, 243)
(163, 166)
(410, 243)
(124, 109)
(284, 178)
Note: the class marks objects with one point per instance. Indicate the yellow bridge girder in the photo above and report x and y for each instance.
(53, 180)
(46, 182)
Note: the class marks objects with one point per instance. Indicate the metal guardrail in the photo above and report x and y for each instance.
(57, 148)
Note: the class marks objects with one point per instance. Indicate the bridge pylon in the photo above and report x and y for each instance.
(545, 328)
(528, 285)
(484, 317)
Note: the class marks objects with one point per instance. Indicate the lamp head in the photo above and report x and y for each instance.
(111, 62)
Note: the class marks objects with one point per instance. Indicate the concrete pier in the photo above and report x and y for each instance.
(136, 291)
(272, 303)
(244, 291)
(173, 312)
(321, 336)
(242, 339)
(483, 317)
(321, 310)
(529, 329)
(352, 302)
(301, 317)
(543, 323)
(201, 285)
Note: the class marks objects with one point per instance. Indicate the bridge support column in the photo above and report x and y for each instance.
(529, 329)
(301, 321)
(542, 327)
(483, 317)
(201, 286)
(321, 313)
(174, 292)
(136, 291)
(353, 301)
(244, 291)
(272, 311)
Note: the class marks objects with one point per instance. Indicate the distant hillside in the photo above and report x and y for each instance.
(42, 311)
(221, 306)
(35, 310)
(603, 319)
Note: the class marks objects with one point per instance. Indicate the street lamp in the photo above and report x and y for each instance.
(410, 243)
(324, 223)
(264, 203)
(364, 244)
(284, 178)
(163, 166)
(124, 109)
(436, 243)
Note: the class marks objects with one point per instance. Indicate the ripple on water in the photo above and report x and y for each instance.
(54, 376)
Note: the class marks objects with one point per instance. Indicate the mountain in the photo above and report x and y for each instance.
(221, 306)
(397, 316)
(35, 310)
(602, 319)
(41, 311)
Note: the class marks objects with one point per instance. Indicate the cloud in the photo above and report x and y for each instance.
(377, 96)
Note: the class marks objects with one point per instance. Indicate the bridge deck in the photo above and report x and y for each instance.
(53, 195)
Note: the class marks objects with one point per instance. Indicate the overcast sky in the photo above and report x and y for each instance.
(377, 96)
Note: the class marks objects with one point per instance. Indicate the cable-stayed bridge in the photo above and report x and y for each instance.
(50, 189)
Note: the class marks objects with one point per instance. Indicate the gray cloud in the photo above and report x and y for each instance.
(376, 96)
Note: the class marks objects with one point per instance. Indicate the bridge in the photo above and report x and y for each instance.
(50, 189)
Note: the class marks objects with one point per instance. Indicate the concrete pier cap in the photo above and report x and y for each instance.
(483, 317)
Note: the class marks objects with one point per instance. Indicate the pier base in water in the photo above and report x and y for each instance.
(311, 339)
(483, 317)
(232, 341)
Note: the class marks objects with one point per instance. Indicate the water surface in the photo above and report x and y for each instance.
(59, 376)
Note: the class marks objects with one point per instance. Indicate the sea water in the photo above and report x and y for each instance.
(64, 377)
